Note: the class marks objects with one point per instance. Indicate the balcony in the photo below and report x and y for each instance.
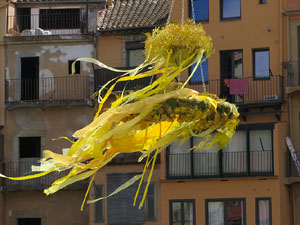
(49, 91)
(292, 175)
(45, 22)
(102, 76)
(219, 164)
(17, 169)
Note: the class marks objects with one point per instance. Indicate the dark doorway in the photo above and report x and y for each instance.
(231, 62)
(29, 221)
(23, 18)
(29, 78)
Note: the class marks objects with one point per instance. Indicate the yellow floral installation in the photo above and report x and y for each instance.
(150, 119)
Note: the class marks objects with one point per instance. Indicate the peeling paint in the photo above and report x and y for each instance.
(53, 60)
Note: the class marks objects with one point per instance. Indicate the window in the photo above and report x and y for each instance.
(230, 9)
(29, 221)
(59, 19)
(77, 67)
(262, 1)
(135, 53)
(201, 10)
(263, 211)
(150, 203)
(250, 153)
(30, 147)
(120, 209)
(99, 205)
(261, 64)
(225, 211)
(197, 78)
(182, 212)
(231, 62)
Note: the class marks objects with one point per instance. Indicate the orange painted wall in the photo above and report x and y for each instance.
(109, 50)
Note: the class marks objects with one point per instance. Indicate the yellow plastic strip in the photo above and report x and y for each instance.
(27, 177)
(120, 188)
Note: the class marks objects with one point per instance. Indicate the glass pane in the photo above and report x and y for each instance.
(235, 212)
(238, 64)
(206, 162)
(262, 64)
(261, 150)
(180, 159)
(215, 213)
(188, 213)
(201, 10)
(197, 77)
(235, 154)
(231, 8)
(264, 212)
(136, 57)
(176, 213)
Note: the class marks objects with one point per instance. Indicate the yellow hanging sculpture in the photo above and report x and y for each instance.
(150, 119)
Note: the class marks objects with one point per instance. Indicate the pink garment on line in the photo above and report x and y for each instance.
(238, 86)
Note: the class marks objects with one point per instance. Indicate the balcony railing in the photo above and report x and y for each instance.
(17, 169)
(258, 90)
(102, 76)
(293, 73)
(219, 164)
(291, 170)
(49, 90)
(46, 24)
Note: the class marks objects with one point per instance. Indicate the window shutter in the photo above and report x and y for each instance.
(120, 209)
(98, 206)
(1, 147)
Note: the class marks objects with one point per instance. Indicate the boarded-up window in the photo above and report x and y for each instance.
(120, 209)
(98, 206)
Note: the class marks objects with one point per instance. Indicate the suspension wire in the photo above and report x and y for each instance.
(171, 9)
(182, 13)
(201, 69)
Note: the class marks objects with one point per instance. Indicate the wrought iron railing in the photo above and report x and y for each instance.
(17, 169)
(258, 90)
(291, 170)
(293, 73)
(51, 89)
(46, 23)
(220, 164)
(102, 76)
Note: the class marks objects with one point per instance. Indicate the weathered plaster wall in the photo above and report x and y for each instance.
(48, 123)
(53, 59)
(60, 208)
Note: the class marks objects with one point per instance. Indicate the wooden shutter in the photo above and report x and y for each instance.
(120, 209)
(150, 204)
(98, 206)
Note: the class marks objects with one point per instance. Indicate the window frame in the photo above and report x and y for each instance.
(224, 200)
(242, 127)
(257, 208)
(182, 201)
(133, 45)
(263, 2)
(77, 66)
(253, 63)
(101, 201)
(230, 18)
(147, 218)
(191, 13)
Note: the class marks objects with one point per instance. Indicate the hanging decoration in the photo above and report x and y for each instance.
(149, 119)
